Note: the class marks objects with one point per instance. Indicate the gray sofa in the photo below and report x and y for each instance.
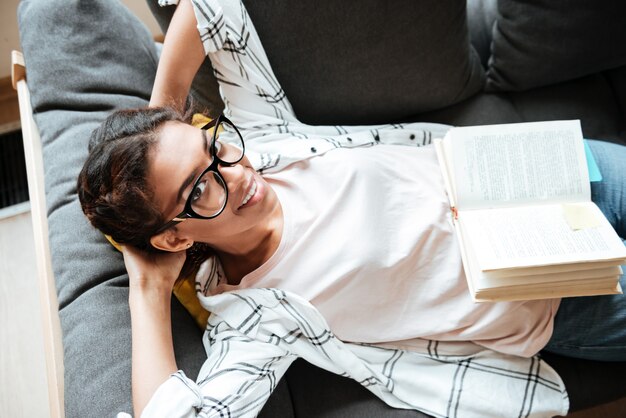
(483, 62)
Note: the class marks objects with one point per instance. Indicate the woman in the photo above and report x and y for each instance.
(314, 223)
(374, 252)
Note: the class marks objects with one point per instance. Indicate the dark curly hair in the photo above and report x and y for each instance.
(112, 187)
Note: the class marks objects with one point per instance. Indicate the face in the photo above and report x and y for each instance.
(177, 160)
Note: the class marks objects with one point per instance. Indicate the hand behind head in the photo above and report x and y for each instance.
(152, 270)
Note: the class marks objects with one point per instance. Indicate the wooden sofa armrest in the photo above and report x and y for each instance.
(53, 351)
(18, 69)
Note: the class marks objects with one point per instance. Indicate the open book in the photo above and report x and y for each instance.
(521, 204)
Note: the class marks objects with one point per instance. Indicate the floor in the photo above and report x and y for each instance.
(23, 390)
(23, 387)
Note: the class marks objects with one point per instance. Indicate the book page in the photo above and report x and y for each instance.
(517, 164)
(537, 236)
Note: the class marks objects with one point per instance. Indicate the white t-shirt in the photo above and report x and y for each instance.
(368, 240)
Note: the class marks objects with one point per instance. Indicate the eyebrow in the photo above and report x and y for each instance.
(192, 176)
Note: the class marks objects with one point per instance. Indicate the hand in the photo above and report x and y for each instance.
(152, 270)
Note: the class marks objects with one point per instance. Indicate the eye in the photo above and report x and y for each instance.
(198, 191)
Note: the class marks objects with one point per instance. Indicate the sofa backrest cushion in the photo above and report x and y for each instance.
(541, 42)
(369, 61)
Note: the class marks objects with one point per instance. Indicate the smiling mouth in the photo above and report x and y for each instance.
(251, 193)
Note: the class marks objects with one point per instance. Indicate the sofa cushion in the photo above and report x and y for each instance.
(592, 99)
(617, 79)
(368, 62)
(480, 109)
(541, 42)
(589, 383)
(340, 396)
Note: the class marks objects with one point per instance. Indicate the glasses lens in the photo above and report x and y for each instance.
(228, 143)
(208, 196)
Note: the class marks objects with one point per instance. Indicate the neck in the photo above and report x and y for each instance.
(253, 250)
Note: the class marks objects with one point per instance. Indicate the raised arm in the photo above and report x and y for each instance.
(180, 60)
(151, 279)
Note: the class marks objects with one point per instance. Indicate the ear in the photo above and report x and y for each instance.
(169, 240)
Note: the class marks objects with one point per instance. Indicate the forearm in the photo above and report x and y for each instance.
(153, 358)
(180, 60)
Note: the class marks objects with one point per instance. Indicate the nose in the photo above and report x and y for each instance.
(232, 174)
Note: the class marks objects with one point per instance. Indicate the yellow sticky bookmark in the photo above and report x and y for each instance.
(580, 216)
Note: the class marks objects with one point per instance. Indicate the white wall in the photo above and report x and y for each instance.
(10, 40)
(140, 8)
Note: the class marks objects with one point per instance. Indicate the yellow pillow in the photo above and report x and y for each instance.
(199, 120)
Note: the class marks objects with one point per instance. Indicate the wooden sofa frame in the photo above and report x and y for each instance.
(51, 325)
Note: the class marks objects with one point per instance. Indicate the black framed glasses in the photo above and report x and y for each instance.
(209, 193)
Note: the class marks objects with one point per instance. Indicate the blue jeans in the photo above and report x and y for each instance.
(594, 327)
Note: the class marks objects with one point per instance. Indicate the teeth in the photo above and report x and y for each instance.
(250, 194)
